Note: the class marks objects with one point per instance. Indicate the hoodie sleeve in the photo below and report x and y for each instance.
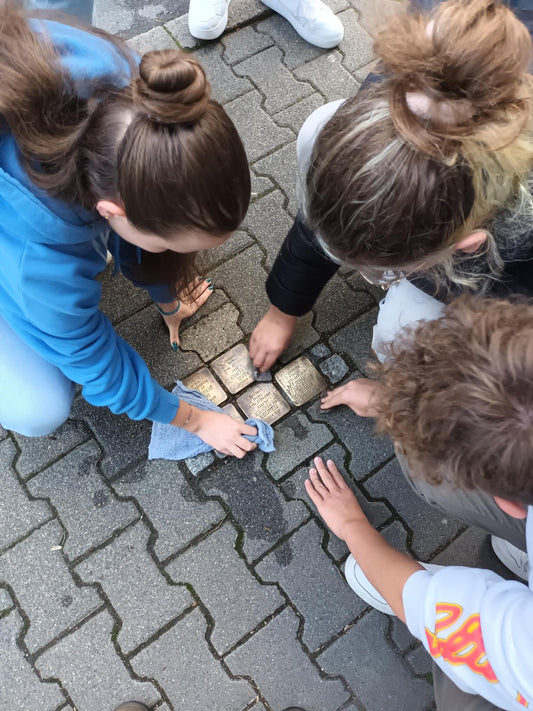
(65, 325)
(478, 628)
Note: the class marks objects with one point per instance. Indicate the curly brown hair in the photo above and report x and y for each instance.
(457, 397)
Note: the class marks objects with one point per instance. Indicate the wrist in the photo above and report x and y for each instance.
(168, 308)
(188, 417)
(281, 316)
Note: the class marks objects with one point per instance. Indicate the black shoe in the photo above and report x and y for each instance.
(132, 706)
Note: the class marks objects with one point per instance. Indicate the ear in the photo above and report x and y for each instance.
(471, 243)
(512, 508)
(108, 208)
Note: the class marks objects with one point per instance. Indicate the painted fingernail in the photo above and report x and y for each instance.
(200, 278)
(209, 280)
(210, 287)
(174, 346)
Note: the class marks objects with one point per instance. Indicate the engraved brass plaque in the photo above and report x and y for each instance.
(300, 381)
(234, 368)
(203, 381)
(232, 411)
(263, 402)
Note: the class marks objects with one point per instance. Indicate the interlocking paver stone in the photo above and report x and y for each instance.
(256, 503)
(21, 689)
(400, 635)
(213, 333)
(258, 131)
(238, 241)
(37, 452)
(419, 661)
(170, 504)
(44, 586)
(383, 684)
(127, 558)
(281, 167)
(235, 599)
(268, 221)
(357, 435)
(295, 115)
(313, 583)
(200, 462)
(244, 43)
(90, 669)
(225, 85)
(5, 601)
(120, 298)
(18, 514)
(304, 335)
(297, 439)
(273, 79)
(431, 528)
(329, 76)
(356, 45)
(284, 673)
(156, 38)
(85, 504)
(200, 683)
(296, 51)
(355, 340)
(329, 317)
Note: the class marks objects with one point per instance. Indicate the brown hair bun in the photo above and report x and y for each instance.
(468, 65)
(172, 87)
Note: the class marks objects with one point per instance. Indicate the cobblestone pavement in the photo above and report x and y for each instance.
(215, 586)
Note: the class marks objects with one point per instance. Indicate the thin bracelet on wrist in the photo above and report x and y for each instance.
(169, 313)
(188, 417)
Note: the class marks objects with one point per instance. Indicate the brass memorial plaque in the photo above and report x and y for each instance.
(263, 402)
(232, 411)
(234, 368)
(300, 381)
(203, 381)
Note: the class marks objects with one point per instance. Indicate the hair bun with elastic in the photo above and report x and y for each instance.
(172, 87)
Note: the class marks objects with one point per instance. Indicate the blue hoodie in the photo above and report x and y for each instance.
(51, 253)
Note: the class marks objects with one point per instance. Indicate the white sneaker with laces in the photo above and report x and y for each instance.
(312, 20)
(511, 556)
(208, 18)
(361, 585)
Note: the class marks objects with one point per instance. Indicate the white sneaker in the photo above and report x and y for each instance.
(208, 18)
(312, 20)
(361, 585)
(511, 556)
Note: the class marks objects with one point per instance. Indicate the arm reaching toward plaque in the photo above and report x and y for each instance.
(219, 430)
(270, 338)
(359, 395)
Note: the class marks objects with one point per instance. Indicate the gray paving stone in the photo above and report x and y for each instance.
(18, 514)
(256, 503)
(156, 38)
(329, 76)
(179, 29)
(243, 44)
(258, 131)
(3, 433)
(120, 298)
(242, 278)
(355, 340)
(127, 558)
(213, 333)
(202, 682)
(362, 73)
(357, 43)
(357, 283)
(318, 352)
(244, 11)
(217, 299)
(268, 221)
(296, 681)
(338, 304)
(212, 257)
(312, 583)
(296, 51)
(281, 167)
(24, 691)
(357, 435)
(235, 599)
(469, 549)
(396, 534)
(261, 186)
(334, 368)
(295, 115)
(273, 79)
(123, 441)
(297, 439)
(303, 337)
(373, 13)
(132, 17)
(44, 586)
(400, 635)
(170, 504)
(5, 601)
(146, 332)
(431, 528)
(90, 669)
(383, 684)
(86, 506)
(37, 452)
(225, 86)
(419, 661)
(200, 462)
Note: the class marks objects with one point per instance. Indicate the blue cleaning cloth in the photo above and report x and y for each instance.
(169, 442)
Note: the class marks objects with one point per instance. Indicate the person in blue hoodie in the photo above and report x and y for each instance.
(99, 151)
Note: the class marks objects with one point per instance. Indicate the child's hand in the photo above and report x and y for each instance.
(357, 394)
(333, 498)
(191, 299)
(270, 338)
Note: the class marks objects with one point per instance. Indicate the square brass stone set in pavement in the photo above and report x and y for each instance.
(299, 382)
